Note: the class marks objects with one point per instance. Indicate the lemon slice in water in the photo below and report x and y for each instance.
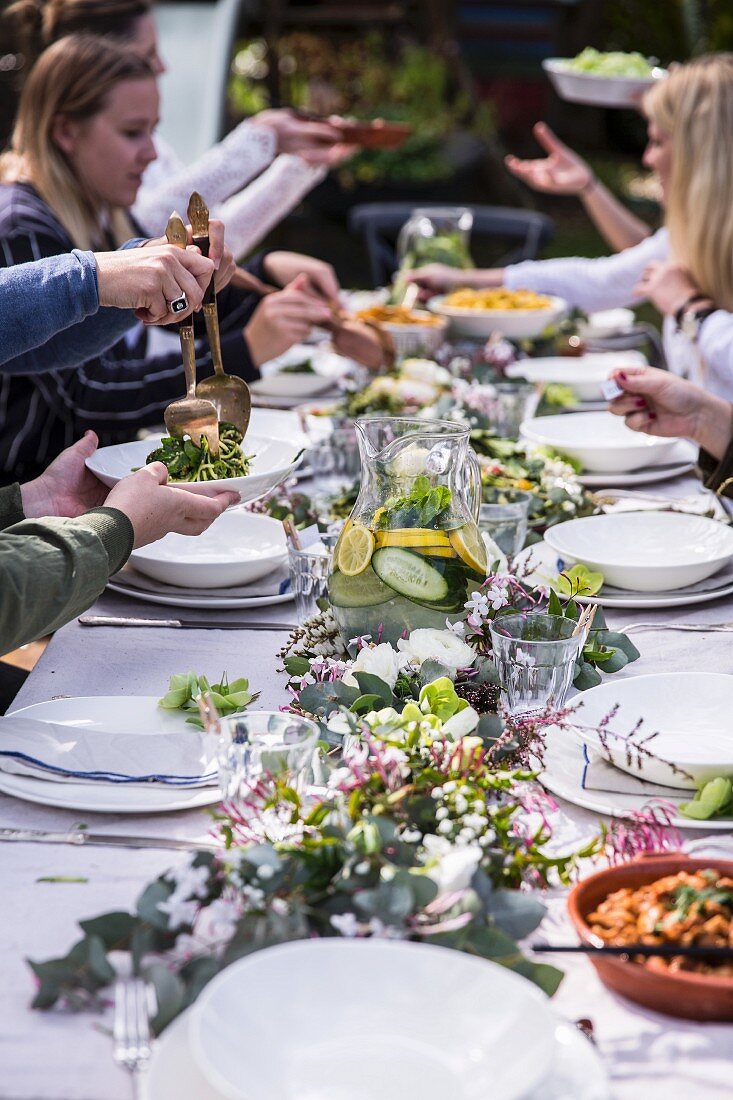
(355, 550)
(468, 544)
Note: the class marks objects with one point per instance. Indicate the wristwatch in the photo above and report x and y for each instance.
(689, 318)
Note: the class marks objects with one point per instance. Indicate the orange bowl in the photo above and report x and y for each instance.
(375, 134)
(686, 994)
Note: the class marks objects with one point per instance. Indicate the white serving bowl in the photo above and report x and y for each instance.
(274, 461)
(607, 322)
(599, 440)
(517, 324)
(238, 548)
(687, 710)
(328, 366)
(416, 339)
(585, 374)
(598, 91)
(645, 551)
(356, 1019)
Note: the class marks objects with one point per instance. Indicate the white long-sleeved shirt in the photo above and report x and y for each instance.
(609, 282)
(223, 176)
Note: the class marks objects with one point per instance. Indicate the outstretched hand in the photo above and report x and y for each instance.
(67, 488)
(561, 172)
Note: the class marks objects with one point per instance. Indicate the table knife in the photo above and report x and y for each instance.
(79, 837)
(181, 624)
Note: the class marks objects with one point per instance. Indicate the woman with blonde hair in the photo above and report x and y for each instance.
(252, 179)
(82, 141)
(686, 268)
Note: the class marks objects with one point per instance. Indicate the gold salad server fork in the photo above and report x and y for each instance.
(228, 394)
(191, 415)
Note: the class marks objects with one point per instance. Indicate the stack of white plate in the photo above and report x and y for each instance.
(344, 1019)
(648, 559)
(239, 562)
(584, 374)
(610, 453)
(619, 771)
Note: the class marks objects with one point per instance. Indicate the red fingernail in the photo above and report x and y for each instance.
(640, 402)
(652, 416)
(622, 375)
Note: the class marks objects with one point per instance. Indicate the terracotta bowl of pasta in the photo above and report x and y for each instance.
(668, 898)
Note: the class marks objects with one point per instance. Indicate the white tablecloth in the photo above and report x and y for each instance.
(51, 1056)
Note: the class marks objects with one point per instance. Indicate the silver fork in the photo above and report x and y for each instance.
(134, 1005)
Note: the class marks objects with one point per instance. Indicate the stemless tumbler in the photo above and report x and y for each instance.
(535, 658)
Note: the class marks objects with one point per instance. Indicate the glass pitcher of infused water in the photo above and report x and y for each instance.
(411, 551)
(433, 235)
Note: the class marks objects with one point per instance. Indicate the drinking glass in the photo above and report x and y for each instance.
(510, 404)
(535, 658)
(309, 571)
(261, 745)
(505, 517)
(335, 461)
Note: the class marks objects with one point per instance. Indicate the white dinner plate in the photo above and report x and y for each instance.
(681, 459)
(112, 714)
(688, 712)
(577, 1070)
(598, 440)
(562, 774)
(214, 602)
(516, 324)
(598, 91)
(275, 460)
(645, 551)
(585, 374)
(606, 322)
(544, 564)
(358, 1022)
(240, 547)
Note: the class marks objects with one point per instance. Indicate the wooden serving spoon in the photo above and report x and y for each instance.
(228, 394)
(191, 415)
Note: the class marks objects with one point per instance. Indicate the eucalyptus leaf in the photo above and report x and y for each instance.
(515, 913)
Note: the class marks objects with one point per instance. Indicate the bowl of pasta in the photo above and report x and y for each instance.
(250, 467)
(517, 314)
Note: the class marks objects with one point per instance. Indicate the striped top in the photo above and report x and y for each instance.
(116, 393)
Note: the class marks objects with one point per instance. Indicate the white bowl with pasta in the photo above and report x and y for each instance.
(481, 321)
(273, 461)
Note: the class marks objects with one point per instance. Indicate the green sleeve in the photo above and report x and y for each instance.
(11, 506)
(51, 570)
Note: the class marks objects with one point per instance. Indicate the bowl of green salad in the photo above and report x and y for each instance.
(599, 79)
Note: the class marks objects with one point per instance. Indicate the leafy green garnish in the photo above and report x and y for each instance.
(188, 462)
(305, 366)
(686, 896)
(579, 580)
(185, 688)
(714, 798)
(424, 506)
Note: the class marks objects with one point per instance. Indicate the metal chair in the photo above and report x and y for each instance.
(379, 224)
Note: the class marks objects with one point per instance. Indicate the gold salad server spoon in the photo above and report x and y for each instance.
(228, 394)
(191, 415)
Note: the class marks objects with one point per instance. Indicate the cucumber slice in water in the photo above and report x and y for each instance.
(360, 591)
(409, 574)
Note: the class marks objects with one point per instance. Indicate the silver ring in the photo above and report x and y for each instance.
(178, 305)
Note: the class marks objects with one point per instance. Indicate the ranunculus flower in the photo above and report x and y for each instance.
(450, 867)
(428, 644)
(381, 660)
(461, 724)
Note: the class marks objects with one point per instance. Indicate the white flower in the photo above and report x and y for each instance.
(461, 724)
(495, 556)
(381, 660)
(478, 605)
(191, 882)
(179, 912)
(445, 827)
(264, 871)
(458, 628)
(453, 869)
(346, 924)
(497, 594)
(438, 645)
(425, 370)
